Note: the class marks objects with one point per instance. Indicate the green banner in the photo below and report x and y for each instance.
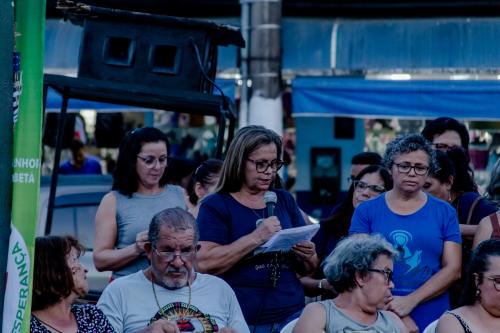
(30, 36)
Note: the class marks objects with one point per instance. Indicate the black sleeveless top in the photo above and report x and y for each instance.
(461, 321)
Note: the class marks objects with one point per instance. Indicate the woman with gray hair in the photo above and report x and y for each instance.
(423, 229)
(234, 221)
(360, 270)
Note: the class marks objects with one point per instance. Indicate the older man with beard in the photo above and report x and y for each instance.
(169, 296)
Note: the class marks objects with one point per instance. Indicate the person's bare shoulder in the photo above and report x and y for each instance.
(448, 323)
(312, 319)
(483, 231)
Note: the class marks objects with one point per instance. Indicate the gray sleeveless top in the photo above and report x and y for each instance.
(338, 322)
(134, 214)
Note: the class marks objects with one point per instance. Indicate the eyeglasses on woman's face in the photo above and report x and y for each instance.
(262, 166)
(420, 170)
(151, 161)
(386, 272)
(496, 281)
(360, 185)
(443, 146)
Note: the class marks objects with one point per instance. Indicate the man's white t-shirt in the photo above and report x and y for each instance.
(130, 305)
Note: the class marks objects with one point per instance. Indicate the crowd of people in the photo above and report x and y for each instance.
(412, 235)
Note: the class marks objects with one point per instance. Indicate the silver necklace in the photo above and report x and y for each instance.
(259, 216)
(158, 303)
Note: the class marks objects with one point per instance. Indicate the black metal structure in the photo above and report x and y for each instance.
(148, 61)
(194, 103)
(155, 50)
(307, 8)
(145, 60)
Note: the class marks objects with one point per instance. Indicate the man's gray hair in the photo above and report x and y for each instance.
(355, 254)
(408, 144)
(174, 218)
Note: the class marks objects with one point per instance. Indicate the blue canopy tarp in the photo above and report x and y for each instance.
(358, 97)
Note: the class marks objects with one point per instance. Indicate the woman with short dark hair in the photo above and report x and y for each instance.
(422, 228)
(58, 280)
(140, 191)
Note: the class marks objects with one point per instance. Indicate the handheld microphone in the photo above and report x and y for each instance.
(270, 199)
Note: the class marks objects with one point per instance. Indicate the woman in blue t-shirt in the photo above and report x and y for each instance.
(234, 221)
(423, 229)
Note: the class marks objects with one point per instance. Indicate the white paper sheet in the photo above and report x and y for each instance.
(286, 238)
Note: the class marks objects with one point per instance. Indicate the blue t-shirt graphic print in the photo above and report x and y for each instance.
(419, 239)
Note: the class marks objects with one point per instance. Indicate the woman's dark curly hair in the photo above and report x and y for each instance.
(52, 278)
(125, 179)
(338, 224)
(479, 263)
(407, 144)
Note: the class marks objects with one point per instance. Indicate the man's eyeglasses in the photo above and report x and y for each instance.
(443, 146)
(150, 161)
(263, 166)
(387, 274)
(406, 167)
(185, 254)
(496, 282)
(361, 185)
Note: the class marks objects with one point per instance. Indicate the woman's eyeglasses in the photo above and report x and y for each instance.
(420, 170)
(361, 185)
(443, 146)
(263, 166)
(496, 281)
(150, 161)
(387, 274)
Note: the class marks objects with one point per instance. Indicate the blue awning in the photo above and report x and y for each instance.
(357, 97)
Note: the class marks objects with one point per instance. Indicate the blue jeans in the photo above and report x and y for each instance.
(273, 327)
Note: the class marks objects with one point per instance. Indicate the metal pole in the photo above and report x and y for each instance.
(57, 159)
(245, 27)
(6, 137)
(264, 66)
(265, 47)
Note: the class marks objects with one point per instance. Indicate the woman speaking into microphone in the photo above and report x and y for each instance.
(234, 221)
